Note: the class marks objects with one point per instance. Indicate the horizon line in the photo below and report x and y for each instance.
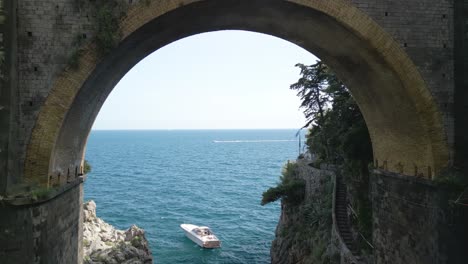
(168, 129)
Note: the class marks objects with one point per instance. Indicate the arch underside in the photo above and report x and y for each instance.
(405, 126)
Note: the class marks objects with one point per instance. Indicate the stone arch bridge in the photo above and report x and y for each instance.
(405, 63)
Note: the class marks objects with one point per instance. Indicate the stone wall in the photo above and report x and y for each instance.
(424, 28)
(461, 84)
(41, 39)
(414, 222)
(48, 29)
(47, 32)
(8, 97)
(44, 233)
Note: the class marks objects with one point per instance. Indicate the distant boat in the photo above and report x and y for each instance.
(201, 235)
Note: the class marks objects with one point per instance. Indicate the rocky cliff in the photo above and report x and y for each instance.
(303, 234)
(102, 243)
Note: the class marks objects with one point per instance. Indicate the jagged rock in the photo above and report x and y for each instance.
(102, 243)
(89, 211)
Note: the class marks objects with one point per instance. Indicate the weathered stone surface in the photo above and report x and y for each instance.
(49, 233)
(415, 221)
(423, 46)
(102, 243)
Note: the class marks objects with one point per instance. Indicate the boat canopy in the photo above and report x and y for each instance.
(202, 231)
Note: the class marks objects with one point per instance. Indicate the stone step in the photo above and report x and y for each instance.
(342, 232)
(342, 219)
(348, 238)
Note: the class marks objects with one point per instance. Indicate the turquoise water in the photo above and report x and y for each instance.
(161, 179)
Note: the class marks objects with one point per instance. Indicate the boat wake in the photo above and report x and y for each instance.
(254, 141)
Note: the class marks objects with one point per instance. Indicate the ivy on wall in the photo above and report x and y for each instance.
(107, 33)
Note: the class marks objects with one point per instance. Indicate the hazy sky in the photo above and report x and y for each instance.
(217, 80)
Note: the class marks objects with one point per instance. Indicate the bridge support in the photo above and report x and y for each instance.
(461, 84)
(49, 232)
(415, 221)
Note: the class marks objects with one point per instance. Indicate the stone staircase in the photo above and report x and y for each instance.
(342, 219)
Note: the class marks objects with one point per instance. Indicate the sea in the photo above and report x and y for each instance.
(159, 179)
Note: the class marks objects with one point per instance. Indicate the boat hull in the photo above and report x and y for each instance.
(211, 242)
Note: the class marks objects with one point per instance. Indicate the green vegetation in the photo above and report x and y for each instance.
(86, 167)
(136, 241)
(107, 31)
(337, 128)
(318, 224)
(307, 228)
(86, 243)
(453, 179)
(318, 214)
(107, 28)
(40, 193)
(454, 183)
(290, 189)
(338, 135)
(74, 59)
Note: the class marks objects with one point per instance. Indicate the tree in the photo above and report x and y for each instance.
(311, 89)
(338, 134)
(337, 127)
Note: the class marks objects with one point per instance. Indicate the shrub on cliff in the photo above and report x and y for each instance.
(86, 167)
(290, 189)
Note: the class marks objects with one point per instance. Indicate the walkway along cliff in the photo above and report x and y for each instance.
(316, 230)
(319, 230)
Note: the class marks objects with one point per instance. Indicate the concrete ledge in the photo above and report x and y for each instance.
(402, 177)
(29, 199)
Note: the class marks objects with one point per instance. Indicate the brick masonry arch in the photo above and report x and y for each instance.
(405, 124)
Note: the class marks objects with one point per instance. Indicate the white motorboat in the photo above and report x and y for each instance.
(201, 235)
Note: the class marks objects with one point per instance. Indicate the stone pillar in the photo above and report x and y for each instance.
(8, 90)
(461, 84)
(415, 222)
(50, 232)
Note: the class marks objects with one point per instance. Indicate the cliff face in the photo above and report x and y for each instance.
(102, 243)
(303, 234)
